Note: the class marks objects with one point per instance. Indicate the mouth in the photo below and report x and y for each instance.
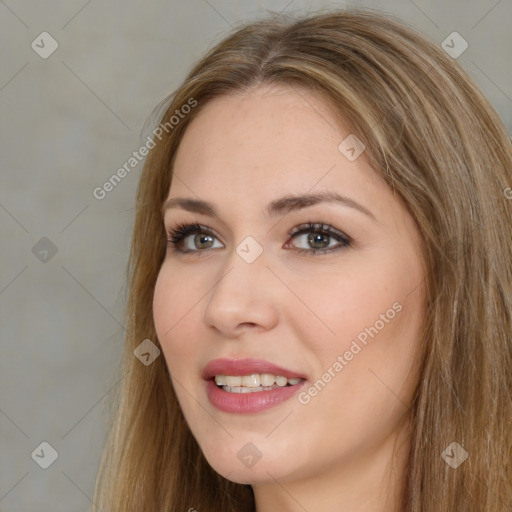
(253, 383)
(249, 385)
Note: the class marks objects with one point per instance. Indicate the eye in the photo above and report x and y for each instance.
(319, 238)
(181, 234)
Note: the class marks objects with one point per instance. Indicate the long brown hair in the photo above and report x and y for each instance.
(442, 148)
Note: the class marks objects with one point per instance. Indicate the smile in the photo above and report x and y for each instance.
(249, 385)
(253, 383)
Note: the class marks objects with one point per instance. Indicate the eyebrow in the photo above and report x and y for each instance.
(277, 207)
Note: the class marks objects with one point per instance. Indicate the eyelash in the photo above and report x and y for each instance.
(177, 234)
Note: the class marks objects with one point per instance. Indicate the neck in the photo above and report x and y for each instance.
(372, 483)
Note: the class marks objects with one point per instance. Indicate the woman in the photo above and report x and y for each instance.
(322, 252)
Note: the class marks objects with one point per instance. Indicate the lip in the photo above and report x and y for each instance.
(246, 367)
(244, 403)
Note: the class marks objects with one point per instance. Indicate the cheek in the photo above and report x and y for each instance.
(336, 306)
(174, 298)
(172, 302)
(369, 316)
(164, 305)
(362, 388)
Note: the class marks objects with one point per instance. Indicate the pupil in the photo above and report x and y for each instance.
(201, 238)
(317, 238)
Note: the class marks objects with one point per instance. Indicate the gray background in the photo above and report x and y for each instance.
(68, 123)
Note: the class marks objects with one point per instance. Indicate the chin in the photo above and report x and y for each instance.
(246, 465)
(231, 468)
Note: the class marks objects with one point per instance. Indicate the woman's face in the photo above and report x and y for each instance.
(345, 319)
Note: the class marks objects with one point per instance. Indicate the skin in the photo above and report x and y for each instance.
(300, 311)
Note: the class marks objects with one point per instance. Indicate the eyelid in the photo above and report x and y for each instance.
(316, 226)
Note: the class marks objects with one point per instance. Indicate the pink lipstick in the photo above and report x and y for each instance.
(249, 385)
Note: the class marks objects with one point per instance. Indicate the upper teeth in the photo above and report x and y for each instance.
(253, 381)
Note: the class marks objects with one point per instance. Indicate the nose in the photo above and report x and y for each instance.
(244, 297)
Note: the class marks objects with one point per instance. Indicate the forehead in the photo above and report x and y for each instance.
(275, 135)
